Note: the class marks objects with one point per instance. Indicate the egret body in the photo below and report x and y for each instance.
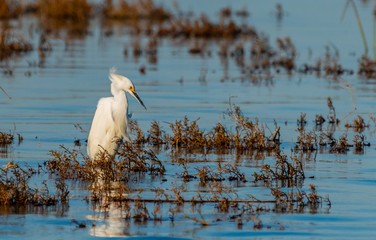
(110, 122)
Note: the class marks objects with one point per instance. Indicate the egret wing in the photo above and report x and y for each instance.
(102, 128)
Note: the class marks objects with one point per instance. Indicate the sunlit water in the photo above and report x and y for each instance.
(48, 100)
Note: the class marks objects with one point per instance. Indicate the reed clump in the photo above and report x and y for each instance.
(318, 139)
(11, 44)
(135, 128)
(266, 57)
(309, 141)
(66, 164)
(332, 118)
(220, 173)
(220, 137)
(10, 9)
(72, 15)
(306, 141)
(341, 145)
(249, 135)
(319, 120)
(6, 138)
(358, 124)
(328, 65)
(286, 172)
(15, 188)
(204, 28)
(367, 67)
(75, 10)
(156, 135)
(287, 53)
(140, 160)
(106, 176)
(296, 200)
(360, 143)
(137, 10)
(302, 120)
(186, 135)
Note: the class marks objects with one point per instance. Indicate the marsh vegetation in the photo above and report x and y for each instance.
(248, 129)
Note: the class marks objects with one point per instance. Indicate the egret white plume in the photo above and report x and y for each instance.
(110, 123)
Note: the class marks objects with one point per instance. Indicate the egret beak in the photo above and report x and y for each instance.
(134, 94)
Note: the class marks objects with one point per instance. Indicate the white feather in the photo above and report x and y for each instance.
(110, 122)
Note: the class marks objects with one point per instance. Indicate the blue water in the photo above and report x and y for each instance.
(48, 100)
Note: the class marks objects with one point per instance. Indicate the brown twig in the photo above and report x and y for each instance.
(347, 84)
(196, 220)
(77, 125)
(6, 93)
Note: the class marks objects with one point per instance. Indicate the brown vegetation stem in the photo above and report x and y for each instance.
(196, 220)
(6, 93)
(77, 125)
(374, 36)
(359, 23)
(347, 84)
(198, 201)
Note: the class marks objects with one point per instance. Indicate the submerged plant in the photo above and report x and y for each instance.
(290, 172)
(6, 138)
(127, 10)
(10, 9)
(358, 124)
(70, 15)
(367, 67)
(306, 141)
(15, 188)
(297, 200)
(11, 44)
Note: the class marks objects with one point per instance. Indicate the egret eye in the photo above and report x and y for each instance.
(131, 88)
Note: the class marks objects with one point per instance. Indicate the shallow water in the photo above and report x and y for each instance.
(50, 96)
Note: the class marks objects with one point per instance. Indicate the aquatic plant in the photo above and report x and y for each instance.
(296, 200)
(202, 27)
(6, 138)
(249, 135)
(186, 135)
(327, 65)
(306, 141)
(285, 172)
(319, 120)
(66, 164)
(332, 119)
(156, 134)
(358, 124)
(287, 53)
(134, 128)
(15, 188)
(144, 9)
(341, 145)
(10, 9)
(11, 44)
(367, 67)
(360, 143)
(70, 15)
(302, 120)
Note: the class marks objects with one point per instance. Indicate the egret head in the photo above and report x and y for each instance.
(123, 84)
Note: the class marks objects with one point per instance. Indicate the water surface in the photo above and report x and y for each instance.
(49, 96)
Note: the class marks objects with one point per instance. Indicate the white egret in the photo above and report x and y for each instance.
(110, 122)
